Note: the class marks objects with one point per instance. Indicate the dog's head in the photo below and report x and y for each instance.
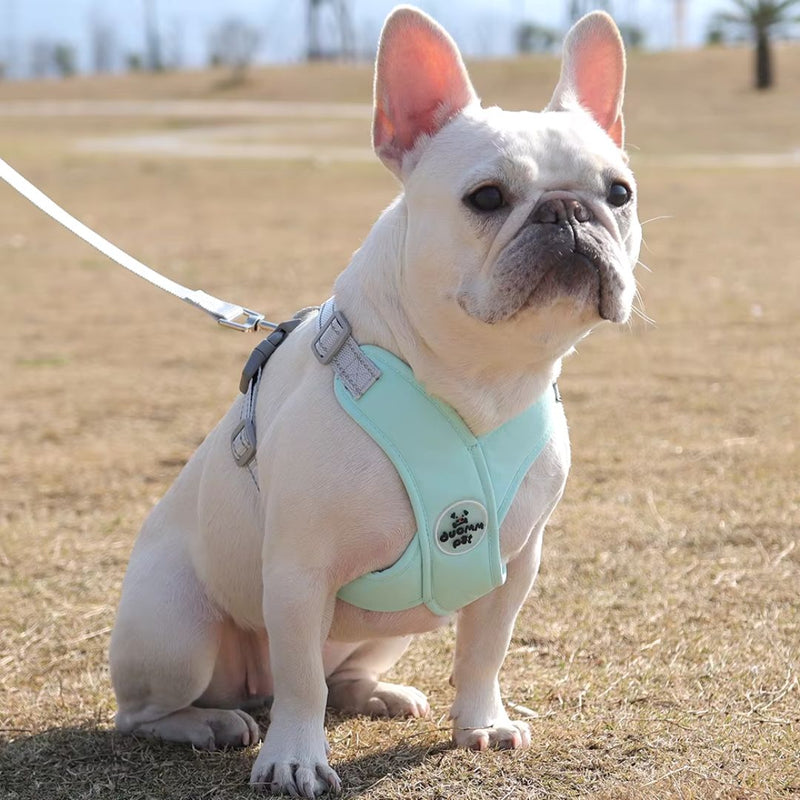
(513, 218)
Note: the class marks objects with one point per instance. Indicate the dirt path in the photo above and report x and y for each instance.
(267, 142)
(183, 109)
(220, 142)
(285, 137)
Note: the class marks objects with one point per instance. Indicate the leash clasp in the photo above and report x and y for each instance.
(253, 321)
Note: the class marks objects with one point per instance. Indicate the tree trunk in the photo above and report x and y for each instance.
(763, 60)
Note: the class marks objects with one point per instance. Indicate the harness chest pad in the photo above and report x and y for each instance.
(460, 488)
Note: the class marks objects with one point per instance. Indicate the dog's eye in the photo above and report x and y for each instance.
(619, 194)
(487, 198)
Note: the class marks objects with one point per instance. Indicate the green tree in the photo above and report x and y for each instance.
(64, 59)
(534, 38)
(233, 44)
(633, 35)
(762, 18)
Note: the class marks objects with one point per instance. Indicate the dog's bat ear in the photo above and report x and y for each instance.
(593, 73)
(420, 84)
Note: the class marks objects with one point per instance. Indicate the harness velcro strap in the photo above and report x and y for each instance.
(336, 346)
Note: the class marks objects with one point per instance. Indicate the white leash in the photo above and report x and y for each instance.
(227, 314)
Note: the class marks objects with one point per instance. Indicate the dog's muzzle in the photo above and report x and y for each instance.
(582, 236)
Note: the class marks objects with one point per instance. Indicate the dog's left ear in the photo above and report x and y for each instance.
(420, 84)
(593, 73)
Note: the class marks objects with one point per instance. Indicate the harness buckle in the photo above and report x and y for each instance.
(331, 338)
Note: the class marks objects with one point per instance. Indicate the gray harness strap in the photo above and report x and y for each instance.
(243, 440)
(334, 345)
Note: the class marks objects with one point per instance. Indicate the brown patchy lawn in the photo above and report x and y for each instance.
(659, 648)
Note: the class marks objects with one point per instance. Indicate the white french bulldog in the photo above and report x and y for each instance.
(516, 234)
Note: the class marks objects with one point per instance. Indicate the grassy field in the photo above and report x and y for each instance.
(659, 649)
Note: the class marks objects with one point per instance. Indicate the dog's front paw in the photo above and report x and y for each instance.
(298, 780)
(299, 772)
(511, 735)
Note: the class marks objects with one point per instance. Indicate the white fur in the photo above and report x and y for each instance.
(230, 594)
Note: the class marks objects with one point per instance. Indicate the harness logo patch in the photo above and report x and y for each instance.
(461, 527)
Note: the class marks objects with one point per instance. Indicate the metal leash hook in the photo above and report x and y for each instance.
(253, 322)
(229, 315)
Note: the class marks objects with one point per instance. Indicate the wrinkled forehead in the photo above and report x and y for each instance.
(553, 149)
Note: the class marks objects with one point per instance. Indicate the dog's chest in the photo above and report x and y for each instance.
(520, 533)
(330, 496)
(460, 487)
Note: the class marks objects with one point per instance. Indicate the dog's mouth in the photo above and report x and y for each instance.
(580, 278)
(593, 280)
(546, 264)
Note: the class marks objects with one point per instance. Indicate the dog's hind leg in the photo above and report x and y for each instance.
(355, 689)
(164, 649)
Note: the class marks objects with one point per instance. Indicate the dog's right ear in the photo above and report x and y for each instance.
(420, 84)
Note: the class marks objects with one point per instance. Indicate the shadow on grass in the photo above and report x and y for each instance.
(84, 762)
(363, 773)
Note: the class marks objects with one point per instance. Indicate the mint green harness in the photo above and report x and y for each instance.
(460, 487)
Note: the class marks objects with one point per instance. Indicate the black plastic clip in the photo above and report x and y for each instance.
(264, 350)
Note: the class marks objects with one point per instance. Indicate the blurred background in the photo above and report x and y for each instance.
(58, 37)
(227, 144)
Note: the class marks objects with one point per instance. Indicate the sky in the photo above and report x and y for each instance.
(482, 28)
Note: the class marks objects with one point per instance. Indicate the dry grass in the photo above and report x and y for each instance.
(659, 649)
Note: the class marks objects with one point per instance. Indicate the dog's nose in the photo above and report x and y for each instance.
(558, 209)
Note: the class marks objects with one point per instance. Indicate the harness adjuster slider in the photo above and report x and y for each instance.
(331, 338)
(243, 442)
